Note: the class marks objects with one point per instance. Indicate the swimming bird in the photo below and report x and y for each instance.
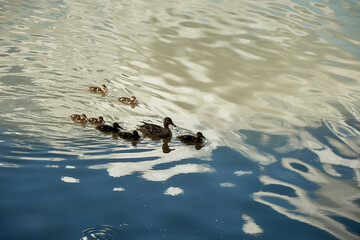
(75, 116)
(79, 118)
(115, 128)
(156, 131)
(102, 89)
(190, 139)
(126, 100)
(97, 121)
(134, 136)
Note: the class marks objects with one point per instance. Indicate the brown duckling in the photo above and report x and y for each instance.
(190, 139)
(75, 116)
(102, 89)
(115, 128)
(134, 136)
(156, 131)
(79, 118)
(97, 121)
(126, 100)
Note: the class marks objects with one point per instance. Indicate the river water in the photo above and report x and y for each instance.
(274, 86)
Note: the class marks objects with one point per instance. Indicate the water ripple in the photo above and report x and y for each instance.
(99, 233)
(273, 80)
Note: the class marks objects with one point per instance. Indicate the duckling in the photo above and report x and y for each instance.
(79, 118)
(115, 128)
(156, 131)
(97, 121)
(75, 116)
(127, 100)
(190, 139)
(134, 136)
(102, 89)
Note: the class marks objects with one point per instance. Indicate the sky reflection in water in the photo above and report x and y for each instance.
(275, 81)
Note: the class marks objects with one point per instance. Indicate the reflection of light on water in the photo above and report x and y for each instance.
(336, 198)
(173, 191)
(124, 168)
(118, 189)
(241, 173)
(349, 135)
(325, 153)
(165, 174)
(69, 179)
(275, 70)
(250, 227)
(227, 184)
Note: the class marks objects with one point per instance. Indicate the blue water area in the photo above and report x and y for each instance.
(35, 204)
(272, 85)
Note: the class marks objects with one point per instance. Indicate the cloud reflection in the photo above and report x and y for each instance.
(335, 198)
(250, 227)
(173, 191)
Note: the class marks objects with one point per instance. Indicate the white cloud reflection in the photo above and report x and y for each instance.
(69, 179)
(146, 168)
(335, 198)
(227, 184)
(219, 93)
(174, 191)
(250, 227)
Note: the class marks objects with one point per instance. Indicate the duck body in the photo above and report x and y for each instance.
(75, 116)
(156, 131)
(97, 121)
(102, 89)
(190, 139)
(134, 136)
(127, 100)
(79, 118)
(115, 128)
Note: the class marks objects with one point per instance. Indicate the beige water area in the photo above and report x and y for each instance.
(219, 67)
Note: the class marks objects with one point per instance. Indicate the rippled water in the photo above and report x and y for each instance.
(273, 85)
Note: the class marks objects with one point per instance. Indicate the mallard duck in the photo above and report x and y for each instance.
(102, 89)
(126, 100)
(79, 118)
(190, 139)
(134, 136)
(115, 128)
(97, 121)
(156, 131)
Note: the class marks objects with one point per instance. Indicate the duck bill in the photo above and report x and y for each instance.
(173, 124)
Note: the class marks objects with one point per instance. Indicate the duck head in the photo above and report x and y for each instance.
(133, 98)
(116, 125)
(104, 88)
(83, 116)
(199, 135)
(101, 119)
(168, 121)
(135, 133)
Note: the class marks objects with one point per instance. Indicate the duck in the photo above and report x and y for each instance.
(102, 89)
(190, 139)
(126, 100)
(156, 131)
(134, 136)
(75, 116)
(115, 128)
(79, 118)
(97, 121)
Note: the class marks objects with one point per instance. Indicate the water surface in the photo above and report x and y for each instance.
(273, 85)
